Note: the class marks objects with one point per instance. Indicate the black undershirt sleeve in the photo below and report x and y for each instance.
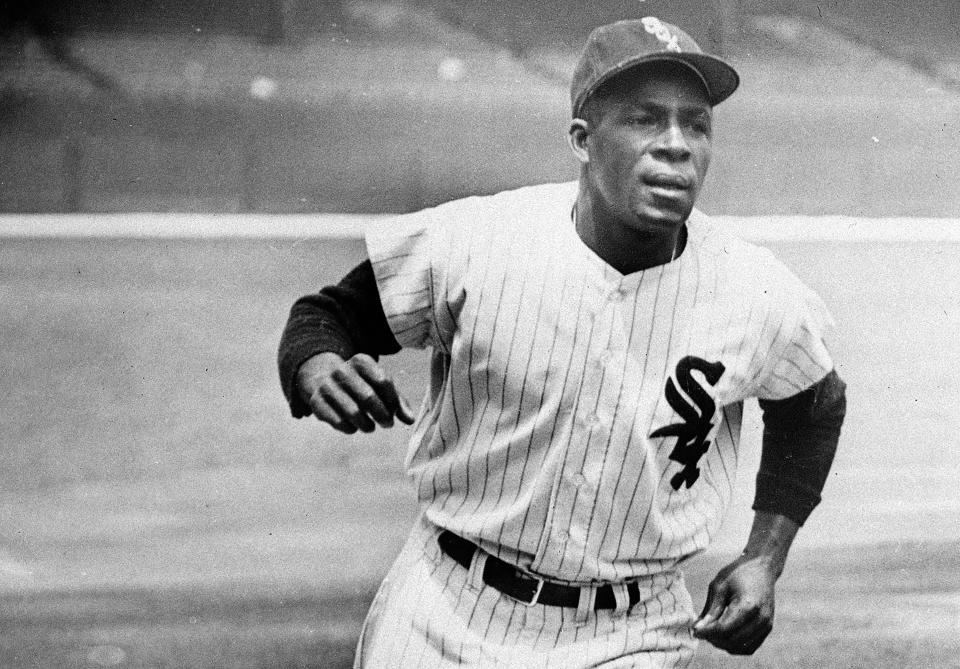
(800, 435)
(345, 319)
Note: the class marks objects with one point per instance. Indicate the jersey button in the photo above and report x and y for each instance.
(561, 536)
(604, 359)
(592, 420)
(591, 473)
(579, 480)
(616, 296)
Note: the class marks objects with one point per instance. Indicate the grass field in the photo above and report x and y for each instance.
(160, 508)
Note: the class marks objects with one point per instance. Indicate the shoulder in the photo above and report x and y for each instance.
(525, 200)
(510, 211)
(455, 234)
(487, 214)
(748, 269)
(712, 240)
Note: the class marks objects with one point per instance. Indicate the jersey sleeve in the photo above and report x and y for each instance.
(415, 263)
(798, 355)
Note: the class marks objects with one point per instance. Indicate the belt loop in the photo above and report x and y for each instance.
(586, 603)
(633, 592)
(622, 597)
(475, 573)
(536, 594)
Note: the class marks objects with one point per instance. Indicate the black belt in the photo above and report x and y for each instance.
(525, 589)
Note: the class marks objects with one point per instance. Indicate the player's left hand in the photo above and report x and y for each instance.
(738, 614)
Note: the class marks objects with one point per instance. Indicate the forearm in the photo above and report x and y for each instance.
(770, 539)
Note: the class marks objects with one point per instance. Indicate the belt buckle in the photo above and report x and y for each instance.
(536, 594)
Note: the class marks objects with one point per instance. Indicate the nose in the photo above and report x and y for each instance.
(672, 144)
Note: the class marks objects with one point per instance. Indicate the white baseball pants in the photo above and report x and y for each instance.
(432, 612)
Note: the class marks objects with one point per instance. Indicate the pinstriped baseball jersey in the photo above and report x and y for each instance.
(580, 423)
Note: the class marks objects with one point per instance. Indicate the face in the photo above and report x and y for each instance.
(647, 149)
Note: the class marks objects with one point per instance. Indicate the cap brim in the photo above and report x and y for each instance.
(718, 76)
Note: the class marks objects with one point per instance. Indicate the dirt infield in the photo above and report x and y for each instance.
(889, 606)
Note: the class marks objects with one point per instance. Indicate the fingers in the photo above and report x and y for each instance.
(386, 392)
(749, 644)
(325, 412)
(368, 404)
(740, 629)
(355, 395)
(743, 627)
(717, 594)
(346, 408)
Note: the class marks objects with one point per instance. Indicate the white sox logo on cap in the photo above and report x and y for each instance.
(618, 47)
(655, 27)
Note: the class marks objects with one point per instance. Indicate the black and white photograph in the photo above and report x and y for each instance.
(431, 333)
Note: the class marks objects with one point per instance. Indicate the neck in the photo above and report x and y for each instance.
(625, 248)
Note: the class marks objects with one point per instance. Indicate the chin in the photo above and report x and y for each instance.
(672, 217)
(663, 212)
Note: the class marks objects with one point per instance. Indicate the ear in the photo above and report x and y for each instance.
(577, 137)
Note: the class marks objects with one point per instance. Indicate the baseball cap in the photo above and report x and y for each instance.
(617, 47)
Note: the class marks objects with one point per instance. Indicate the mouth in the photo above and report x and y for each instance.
(667, 182)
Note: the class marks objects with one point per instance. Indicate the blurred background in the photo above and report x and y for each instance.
(352, 106)
(174, 174)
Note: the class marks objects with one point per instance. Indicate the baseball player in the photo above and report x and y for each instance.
(592, 346)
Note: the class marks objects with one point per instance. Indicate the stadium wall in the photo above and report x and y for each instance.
(362, 154)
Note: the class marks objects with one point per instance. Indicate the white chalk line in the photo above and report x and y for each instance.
(352, 226)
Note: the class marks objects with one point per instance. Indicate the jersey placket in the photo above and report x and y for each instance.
(575, 492)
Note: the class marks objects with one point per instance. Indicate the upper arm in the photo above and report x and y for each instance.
(798, 354)
(418, 261)
(823, 403)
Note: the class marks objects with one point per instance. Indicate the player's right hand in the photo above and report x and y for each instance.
(351, 395)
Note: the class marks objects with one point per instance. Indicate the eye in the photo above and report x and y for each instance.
(699, 125)
(641, 120)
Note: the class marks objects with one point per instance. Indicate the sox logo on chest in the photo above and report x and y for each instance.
(697, 413)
